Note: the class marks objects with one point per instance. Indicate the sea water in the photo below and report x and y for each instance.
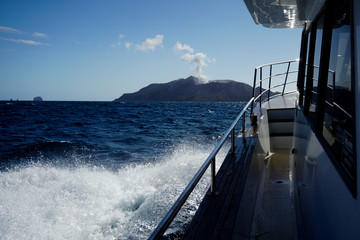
(103, 170)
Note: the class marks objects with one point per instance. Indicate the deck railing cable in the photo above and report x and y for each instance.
(171, 214)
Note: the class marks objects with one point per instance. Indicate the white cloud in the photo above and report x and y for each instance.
(23, 41)
(151, 43)
(10, 30)
(40, 35)
(128, 45)
(183, 47)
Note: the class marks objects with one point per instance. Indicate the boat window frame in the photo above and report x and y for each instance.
(310, 66)
(302, 64)
(306, 69)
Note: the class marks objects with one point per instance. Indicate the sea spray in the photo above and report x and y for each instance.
(91, 170)
(45, 201)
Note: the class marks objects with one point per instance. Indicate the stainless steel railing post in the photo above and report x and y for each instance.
(213, 177)
(233, 141)
(243, 128)
(260, 91)
(270, 82)
(286, 77)
(253, 95)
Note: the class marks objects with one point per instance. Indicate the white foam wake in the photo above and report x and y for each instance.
(49, 202)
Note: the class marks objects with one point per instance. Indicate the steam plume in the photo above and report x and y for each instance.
(199, 60)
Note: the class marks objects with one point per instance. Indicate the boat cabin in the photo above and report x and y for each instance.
(292, 171)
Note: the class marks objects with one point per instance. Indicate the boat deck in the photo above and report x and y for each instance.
(274, 216)
(254, 197)
(250, 203)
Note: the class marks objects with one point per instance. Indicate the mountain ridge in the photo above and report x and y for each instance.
(192, 89)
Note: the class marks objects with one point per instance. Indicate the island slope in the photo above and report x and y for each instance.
(191, 89)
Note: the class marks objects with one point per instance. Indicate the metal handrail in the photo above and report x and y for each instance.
(171, 214)
(165, 223)
(280, 94)
(259, 82)
(277, 63)
(275, 75)
(269, 90)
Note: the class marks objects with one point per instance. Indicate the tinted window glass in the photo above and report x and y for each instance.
(315, 77)
(338, 123)
(306, 65)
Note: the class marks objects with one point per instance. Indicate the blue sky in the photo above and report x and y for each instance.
(96, 50)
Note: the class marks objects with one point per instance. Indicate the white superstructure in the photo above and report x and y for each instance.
(325, 144)
(295, 168)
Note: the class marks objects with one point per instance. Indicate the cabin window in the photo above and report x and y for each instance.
(312, 68)
(316, 65)
(307, 62)
(338, 130)
(331, 108)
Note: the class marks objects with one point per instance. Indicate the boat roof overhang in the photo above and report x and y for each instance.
(284, 13)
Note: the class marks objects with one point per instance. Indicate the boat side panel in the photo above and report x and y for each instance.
(357, 84)
(328, 209)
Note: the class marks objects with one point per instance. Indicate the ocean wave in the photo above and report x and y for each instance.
(45, 151)
(43, 201)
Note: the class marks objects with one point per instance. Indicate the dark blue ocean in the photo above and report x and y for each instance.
(102, 170)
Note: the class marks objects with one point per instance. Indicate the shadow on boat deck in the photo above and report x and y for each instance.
(216, 216)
